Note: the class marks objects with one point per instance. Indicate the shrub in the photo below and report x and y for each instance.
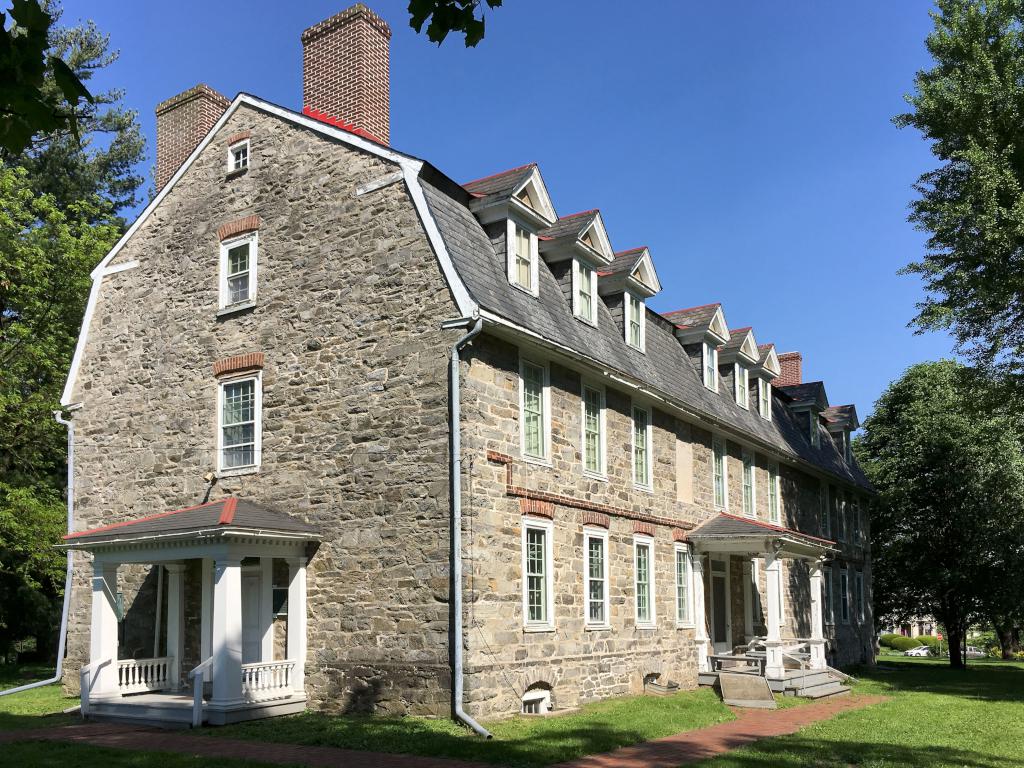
(886, 640)
(930, 640)
(901, 643)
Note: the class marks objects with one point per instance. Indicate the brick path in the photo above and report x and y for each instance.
(689, 747)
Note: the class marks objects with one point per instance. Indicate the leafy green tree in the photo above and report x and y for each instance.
(450, 16)
(39, 91)
(970, 106)
(947, 460)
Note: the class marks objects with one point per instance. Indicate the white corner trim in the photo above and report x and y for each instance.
(120, 267)
(410, 170)
(379, 183)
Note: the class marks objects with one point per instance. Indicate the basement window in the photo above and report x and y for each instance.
(537, 701)
(238, 156)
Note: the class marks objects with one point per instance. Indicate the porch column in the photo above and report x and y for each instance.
(774, 666)
(700, 635)
(103, 630)
(817, 621)
(175, 621)
(206, 610)
(267, 608)
(227, 632)
(297, 620)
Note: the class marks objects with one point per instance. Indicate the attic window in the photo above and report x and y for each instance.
(635, 331)
(764, 399)
(521, 245)
(710, 366)
(526, 199)
(812, 418)
(238, 156)
(583, 292)
(588, 240)
(742, 386)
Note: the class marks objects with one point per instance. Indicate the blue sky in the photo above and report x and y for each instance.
(748, 144)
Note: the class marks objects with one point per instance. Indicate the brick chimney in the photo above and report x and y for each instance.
(791, 364)
(181, 123)
(346, 71)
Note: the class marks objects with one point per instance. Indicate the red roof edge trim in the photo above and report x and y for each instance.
(228, 513)
(499, 173)
(124, 523)
(632, 250)
(779, 528)
(337, 122)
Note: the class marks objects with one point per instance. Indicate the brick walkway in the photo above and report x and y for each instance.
(683, 748)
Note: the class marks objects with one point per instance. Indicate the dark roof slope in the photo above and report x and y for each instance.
(224, 515)
(571, 225)
(693, 317)
(728, 526)
(736, 339)
(624, 262)
(665, 367)
(499, 184)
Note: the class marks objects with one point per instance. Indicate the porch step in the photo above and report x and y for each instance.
(141, 714)
(807, 679)
(831, 688)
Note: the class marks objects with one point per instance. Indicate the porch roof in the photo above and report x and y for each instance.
(725, 528)
(221, 517)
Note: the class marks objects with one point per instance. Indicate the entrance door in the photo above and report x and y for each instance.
(721, 635)
(252, 642)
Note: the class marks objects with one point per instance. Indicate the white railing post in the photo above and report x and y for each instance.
(197, 676)
(262, 681)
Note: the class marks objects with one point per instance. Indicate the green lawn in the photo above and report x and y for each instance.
(56, 755)
(936, 717)
(35, 708)
(519, 741)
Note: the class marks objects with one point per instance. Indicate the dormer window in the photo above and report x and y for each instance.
(522, 258)
(812, 418)
(635, 331)
(710, 366)
(764, 399)
(742, 383)
(847, 447)
(584, 305)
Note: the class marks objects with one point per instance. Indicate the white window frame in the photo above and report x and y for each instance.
(257, 378)
(578, 268)
(741, 385)
(717, 442)
(643, 540)
(764, 398)
(546, 416)
(710, 354)
(548, 528)
(855, 520)
(829, 596)
(858, 591)
(646, 483)
(841, 517)
(815, 432)
(601, 473)
(844, 595)
(774, 494)
(683, 621)
(252, 238)
(510, 248)
(231, 155)
(599, 534)
(826, 510)
(629, 298)
(536, 702)
(750, 460)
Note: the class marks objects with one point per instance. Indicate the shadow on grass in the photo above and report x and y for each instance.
(997, 681)
(35, 708)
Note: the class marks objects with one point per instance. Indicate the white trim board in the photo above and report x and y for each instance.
(410, 170)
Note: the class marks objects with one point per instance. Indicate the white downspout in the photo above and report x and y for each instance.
(61, 642)
(455, 476)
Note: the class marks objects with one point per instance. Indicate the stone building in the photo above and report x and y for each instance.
(265, 429)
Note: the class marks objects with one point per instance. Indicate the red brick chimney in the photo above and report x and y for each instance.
(181, 123)
(791, 364)
(346, 71)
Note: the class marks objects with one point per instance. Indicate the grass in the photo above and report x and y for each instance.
(519, 741)
(48, 754)
(35, 708)
(936, 717)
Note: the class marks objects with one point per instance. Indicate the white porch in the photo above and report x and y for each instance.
(234, 669)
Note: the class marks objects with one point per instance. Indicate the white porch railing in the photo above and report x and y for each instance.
(267, 679)
(198, 678)
(140, 675)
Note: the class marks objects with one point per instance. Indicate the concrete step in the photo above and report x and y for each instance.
(831, 688)
(808, 680)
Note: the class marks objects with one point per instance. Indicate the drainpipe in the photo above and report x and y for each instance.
(455, 476)
(69, 423)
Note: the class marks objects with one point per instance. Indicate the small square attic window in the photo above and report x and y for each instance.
(238, 156)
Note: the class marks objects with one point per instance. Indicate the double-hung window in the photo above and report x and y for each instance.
(764, 399)
(641, 447)
(522, 258)
(830, 608)
(238, 156)
(535, 411)
(774, 495)
(239, 424)
(584, 304)
(643, 570)
(635, 315)
(749, 496)
(718, 472)
(858, 595)
(855, 520)
(826, 518)
(596, 543)
(710, 355)
(742, 383)
(844, 595)
(841, 518)
(238, 270)
(537, 573)
(593, 431)
(684, 593)
(815, 432)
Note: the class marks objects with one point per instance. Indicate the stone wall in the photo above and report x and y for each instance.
(347, 314)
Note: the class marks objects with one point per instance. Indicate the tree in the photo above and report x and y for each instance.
(947, 460)
(449, 16)
(39, 91)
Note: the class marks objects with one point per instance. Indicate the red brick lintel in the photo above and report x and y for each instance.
(237, 137)
(236, 363)
(238, 227)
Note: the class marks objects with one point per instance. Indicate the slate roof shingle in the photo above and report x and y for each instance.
(499, 184)
(694, 317)
(724, 525)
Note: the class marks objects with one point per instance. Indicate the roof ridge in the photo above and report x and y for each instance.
(690, 309)
(579, 213)
(770, 526)
(499, 173)
(155, 516)
(631, 250)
